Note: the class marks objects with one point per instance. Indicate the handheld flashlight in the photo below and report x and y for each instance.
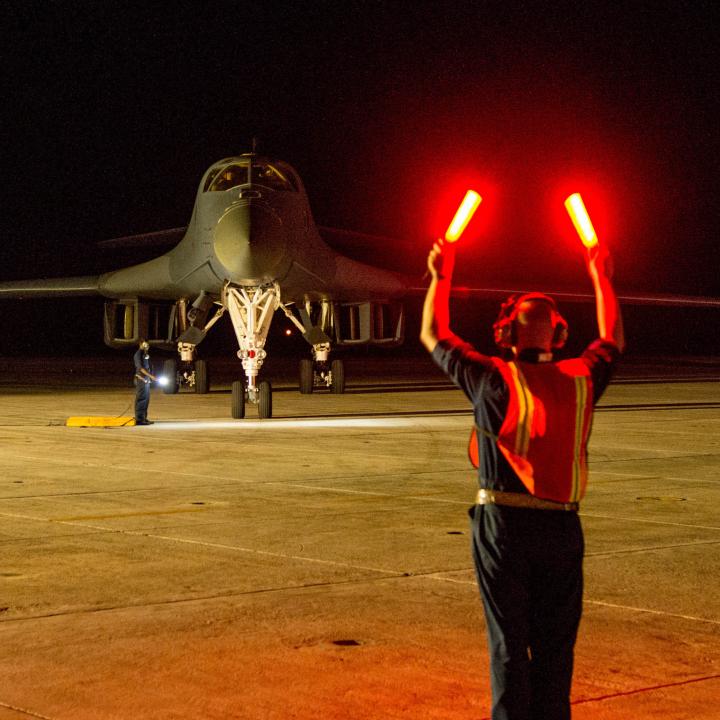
(581, 220)
(162, 380)
(464, 213)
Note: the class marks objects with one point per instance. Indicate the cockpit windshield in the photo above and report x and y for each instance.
(236, 173)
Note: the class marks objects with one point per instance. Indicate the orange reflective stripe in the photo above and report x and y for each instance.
(474, 444)
(579, 472)
(526, 411)
(474, 448)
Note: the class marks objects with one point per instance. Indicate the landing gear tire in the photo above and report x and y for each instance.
(307, 376)
(170, 372)
(337, 368)
(202, 384)
(238, 400)
(264, 400)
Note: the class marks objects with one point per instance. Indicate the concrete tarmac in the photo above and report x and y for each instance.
(317, 565)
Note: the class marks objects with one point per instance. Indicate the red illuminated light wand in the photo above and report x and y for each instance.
(471, 202)
(581, 220)
(463, 215)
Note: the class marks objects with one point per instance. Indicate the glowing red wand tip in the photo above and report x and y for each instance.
(464, 213)
(581, 220)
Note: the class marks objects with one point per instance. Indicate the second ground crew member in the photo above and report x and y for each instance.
(532, 424)
(143, 378)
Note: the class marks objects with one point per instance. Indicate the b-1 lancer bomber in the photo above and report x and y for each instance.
(251, 248)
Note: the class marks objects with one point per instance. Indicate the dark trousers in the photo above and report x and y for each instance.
(142, 400)
(529, 568)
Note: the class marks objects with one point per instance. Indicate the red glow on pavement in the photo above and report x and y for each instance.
(464, 214)
(581, 220)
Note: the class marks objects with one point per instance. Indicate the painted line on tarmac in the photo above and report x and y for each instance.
(29, 713)
(203, 543)
(150, 513)
(649, 522)
(650, 548)
(389, 573)
(235, 481)
(638, 691)
(615, 606)
(586, 601)
(659, 406)
(371, 493)
(649, 611)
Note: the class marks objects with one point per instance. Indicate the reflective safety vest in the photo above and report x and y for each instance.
(547, 426)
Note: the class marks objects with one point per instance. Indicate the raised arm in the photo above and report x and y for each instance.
(435, 325)
(610, 326)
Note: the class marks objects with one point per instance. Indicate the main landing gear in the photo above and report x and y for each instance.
(194, 323)
(319, 372)
(251, 311)
(316, 328)
(192, 373)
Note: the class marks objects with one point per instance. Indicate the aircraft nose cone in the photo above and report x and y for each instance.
(249, 242)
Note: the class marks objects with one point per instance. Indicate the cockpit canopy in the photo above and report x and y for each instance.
(241, 171)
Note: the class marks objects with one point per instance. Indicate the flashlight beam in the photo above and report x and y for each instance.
(581, 220)
(464, 213)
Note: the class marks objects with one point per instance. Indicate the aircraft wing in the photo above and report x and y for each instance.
(661, 300)
(87, 285)
(362, 245)
(657, 299)
(399, 255)
(159, 239)
(54, 287)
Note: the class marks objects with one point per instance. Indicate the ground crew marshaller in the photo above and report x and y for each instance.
(532, 423)
(143, 378)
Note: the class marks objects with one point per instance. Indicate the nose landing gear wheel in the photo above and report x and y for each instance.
(337, 368)
(238, 400)
(264, 400)
(170, 372)
(307, 373)
(202, 385)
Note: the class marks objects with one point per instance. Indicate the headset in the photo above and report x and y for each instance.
(504, 327)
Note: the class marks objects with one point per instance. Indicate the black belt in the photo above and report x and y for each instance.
(522, 500)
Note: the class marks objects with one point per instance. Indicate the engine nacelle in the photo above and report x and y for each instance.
(127, 321)
(369, 323)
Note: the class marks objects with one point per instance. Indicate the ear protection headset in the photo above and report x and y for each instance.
(504, 327)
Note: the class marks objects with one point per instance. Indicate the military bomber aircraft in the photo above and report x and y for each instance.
(251, 248)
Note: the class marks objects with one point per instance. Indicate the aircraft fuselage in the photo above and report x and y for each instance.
(256, 231)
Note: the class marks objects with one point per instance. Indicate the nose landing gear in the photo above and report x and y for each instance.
(251, 311)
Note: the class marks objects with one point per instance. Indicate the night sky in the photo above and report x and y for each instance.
(112, 112)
